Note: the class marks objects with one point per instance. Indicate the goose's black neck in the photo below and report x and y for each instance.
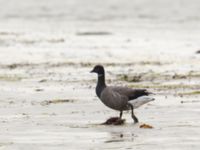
(100, 84)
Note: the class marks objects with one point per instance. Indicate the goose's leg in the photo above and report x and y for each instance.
(120, 115)
(119, 121)
(132, 114)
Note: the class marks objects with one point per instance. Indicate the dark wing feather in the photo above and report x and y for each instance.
(130, 93)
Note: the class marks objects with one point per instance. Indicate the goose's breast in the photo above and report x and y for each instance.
(113, 99)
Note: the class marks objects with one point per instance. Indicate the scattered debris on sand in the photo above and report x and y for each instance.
(198, 52)
(39, 90)
(93, 33)
(146, 126)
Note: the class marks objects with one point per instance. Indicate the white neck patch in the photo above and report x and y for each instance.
(100, 75)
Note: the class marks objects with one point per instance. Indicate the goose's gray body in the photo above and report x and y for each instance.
(118, 97)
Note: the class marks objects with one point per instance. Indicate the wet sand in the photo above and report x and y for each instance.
(66, 114)
(47, 98)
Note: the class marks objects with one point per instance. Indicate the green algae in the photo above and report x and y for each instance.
(10, 78)
(189, 93)
(57, 101)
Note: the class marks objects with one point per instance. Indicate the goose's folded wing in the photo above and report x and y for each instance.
(130, 93)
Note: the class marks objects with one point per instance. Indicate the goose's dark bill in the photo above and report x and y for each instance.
(120, 98)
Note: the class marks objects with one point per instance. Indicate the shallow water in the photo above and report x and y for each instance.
(47, 49)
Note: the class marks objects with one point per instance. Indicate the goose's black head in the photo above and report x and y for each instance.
(98, 69)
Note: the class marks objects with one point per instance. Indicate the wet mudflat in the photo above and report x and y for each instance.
(47, 98)
(59, 114)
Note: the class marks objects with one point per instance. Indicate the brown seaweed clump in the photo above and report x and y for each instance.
(146, 126)
(114, 121)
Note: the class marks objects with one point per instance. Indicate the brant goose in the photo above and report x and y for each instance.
(120, 98)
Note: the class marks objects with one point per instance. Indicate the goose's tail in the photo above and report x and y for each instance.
(141, 101)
